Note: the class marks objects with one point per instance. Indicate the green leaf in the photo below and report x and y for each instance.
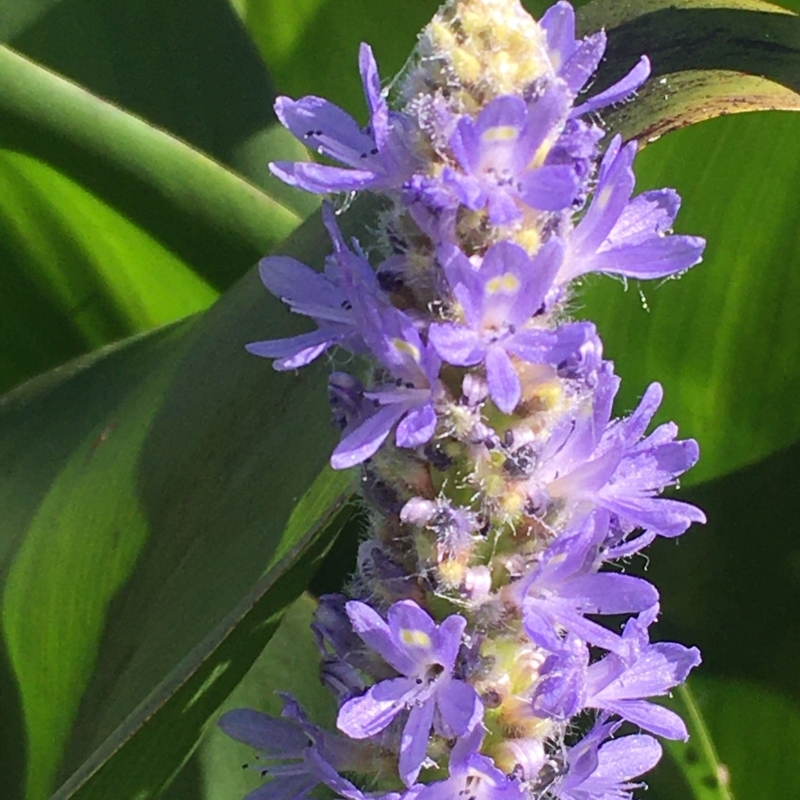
(722, 338)
(698, 760)
(188, 68)
(708, 58)
(77, 274)
(145, 491)
(754, 752)
(311, 46)
(290, 663)
(112, 226)
(134, 762)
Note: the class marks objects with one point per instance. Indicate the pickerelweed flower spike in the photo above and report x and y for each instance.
(477, 651)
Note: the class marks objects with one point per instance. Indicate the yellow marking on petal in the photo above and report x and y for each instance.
(603, 197)
(540, 155)
(507, 283)
(500, 133)
(413, 638)
(406, 347)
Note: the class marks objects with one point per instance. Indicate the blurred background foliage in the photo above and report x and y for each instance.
(148, 544)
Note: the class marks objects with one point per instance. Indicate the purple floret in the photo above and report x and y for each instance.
(499, 302)
(475, 778)
(326, 298)
(378, 156)
(496, 152)
(297, 754)
(591, 462)
(408, 402)
(565, 586)
(424, 654)
(575, 60)
(619, 682)
(598, 771)
(620, 236)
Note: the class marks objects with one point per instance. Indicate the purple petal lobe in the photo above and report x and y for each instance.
(414, 742)
(365, 440)
(502, 378)
(369, 714)
(459, 706)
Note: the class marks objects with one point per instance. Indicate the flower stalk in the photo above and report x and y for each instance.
(472, 653)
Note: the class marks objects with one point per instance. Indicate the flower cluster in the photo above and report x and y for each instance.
(472, 655)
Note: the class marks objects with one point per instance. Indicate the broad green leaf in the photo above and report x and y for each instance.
(111, 225)
(188, 68)
(290, 663)
(134, 762)
(90, 254)
(722, 339)
(755, 732)
(145, 491)
(708, 58)
(77, 274)
(311, 46)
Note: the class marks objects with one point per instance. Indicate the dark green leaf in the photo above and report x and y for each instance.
(290, 664)
(722, 339)
(187, 67)
(145, 491)
(755, 733)
(109, 225)
(311, 46)
(708, 59)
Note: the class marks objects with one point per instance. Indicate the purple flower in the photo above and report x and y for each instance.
(575, 60)
(475, 778)
(424, 654)
(378, 156)
(621, 236)
(324, 298)
(597, 771)
(498, 302)
(298, 755)
(565, 586)
(313, 295)
(408, 402)
(619, 682)
(497, 155)
(591, 462)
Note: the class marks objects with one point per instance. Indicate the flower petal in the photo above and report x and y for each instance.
(364, 441)
(414, 741)
(365, 716)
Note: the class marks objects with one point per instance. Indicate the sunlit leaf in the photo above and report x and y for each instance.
(146, 490)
